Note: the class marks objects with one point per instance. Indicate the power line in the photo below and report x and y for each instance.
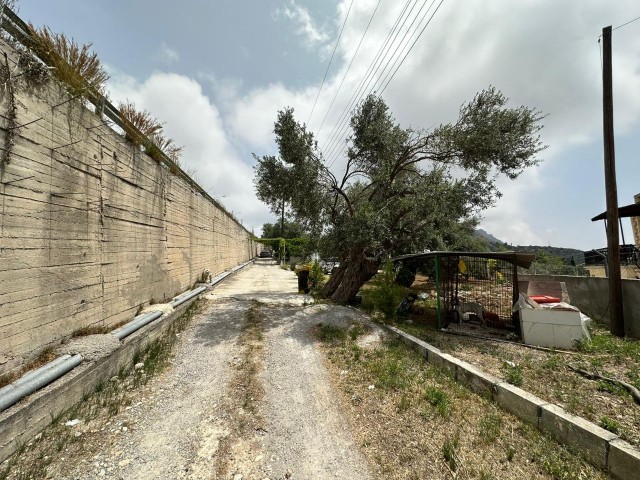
(371, 71)
(413, 44)
(345, 125)
(373, 67)
(330, 60)
(405, 35)
(350, 63)
(625, 24)
(334, 151)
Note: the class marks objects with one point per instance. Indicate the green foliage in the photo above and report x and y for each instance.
(291, 230)
(385, 294)
(405, 276)
(489, 427)
(438, 398)
(75, 65)
(610, 424)
(548, 263)
(512, 374)
(398, 193)
(449, 452)
(331, 333)
(316, 279)
(293, 247)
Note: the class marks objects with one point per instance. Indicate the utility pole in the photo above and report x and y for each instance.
(611, 189)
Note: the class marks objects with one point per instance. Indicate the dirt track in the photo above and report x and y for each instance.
(247, 397)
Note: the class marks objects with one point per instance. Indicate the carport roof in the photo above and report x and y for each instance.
(632, 210)
(522, 259)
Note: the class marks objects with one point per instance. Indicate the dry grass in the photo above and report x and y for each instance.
(546, 374)
(44, 357)
(142, 120)
(413, 421)
(246, 393)
(155, 143)
(74, 64)
(31, 460)
(168, 146)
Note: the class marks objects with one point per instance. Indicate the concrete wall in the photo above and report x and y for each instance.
(91, 228)
(591, 296)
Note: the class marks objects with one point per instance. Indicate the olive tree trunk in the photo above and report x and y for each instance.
(344, 284)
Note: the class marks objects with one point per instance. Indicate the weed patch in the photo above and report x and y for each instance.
(413, 420)
(548, 374)
(512, 373)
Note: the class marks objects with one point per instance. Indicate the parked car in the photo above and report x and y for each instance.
(265, 254)
(329, 265)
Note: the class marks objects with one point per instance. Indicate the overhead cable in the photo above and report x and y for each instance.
(330, 60)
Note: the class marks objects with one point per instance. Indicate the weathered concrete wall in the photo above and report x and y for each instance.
(591, 296)
(91, 228)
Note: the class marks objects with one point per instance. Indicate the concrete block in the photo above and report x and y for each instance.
(590, 440)
(624, 460)
(444, 360)
(522, 404)
(411, 341)
(475, 379)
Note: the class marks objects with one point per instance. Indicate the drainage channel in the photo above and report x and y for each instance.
(43, 376)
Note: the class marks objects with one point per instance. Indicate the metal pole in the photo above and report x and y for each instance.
(613, 240)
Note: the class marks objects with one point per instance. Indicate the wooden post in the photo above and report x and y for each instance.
(515, 316)
(613, 240)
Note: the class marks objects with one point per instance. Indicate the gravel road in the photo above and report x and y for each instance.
(247, 397)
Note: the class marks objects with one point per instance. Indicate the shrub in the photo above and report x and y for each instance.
(75, 65)
(142, 120)
(316, 278)
(386, 294)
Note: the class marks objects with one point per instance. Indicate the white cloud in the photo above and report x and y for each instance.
(550, 62)
(192, 120)
(306, 27)
(167, 54)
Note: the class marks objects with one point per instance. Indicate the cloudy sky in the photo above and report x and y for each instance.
(217, 72)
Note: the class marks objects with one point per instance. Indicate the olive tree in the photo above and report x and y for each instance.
(401, 190)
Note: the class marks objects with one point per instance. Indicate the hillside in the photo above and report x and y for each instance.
(566, 254)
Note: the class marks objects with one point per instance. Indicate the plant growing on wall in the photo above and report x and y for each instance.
(79, 69)
(137, 122)
(142, 120)
(12, 111)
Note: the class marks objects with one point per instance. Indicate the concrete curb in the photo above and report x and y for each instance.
(599, 447)
(21, 422)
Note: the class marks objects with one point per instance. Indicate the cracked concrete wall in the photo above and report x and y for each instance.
(91, 228)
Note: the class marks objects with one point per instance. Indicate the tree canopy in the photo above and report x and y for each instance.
(401, 190)
(292, 229)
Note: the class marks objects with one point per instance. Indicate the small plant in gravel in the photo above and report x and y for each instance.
(438, 398)
(489, 427)
(610, 424)
(331, 333)
(356, 330)
(512, 373)
(554, 362)
(449, 452)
